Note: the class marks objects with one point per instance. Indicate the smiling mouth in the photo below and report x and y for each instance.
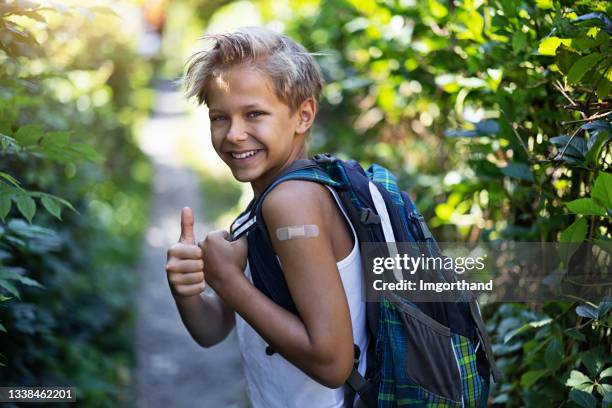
(244, 155)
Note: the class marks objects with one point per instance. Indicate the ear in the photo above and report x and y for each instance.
(306, 113)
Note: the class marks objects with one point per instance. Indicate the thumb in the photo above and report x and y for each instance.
(187, 235)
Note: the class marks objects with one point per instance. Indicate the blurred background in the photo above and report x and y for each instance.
(495, 115)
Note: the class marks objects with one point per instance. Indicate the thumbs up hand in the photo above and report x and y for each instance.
(225, 260)
(185, 265)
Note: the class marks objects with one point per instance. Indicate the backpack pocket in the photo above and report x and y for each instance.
(430, 360)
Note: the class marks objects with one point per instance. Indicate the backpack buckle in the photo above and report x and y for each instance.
(369, 217)
(324, 158)
(422, 225)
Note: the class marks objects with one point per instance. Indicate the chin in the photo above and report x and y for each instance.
(245, 176)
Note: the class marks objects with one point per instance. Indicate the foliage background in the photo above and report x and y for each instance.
(71, 220)
(473, 103)
(495, 115)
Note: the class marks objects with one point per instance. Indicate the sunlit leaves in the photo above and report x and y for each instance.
(549, 45)
(437, 9)
(514, 82)
(600, 202)
(582, 66)
(575, 232)
(602, 190)
(585, 206)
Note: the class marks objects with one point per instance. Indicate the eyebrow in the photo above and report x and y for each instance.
(244, 107)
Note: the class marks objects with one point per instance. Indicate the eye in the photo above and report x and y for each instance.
(254, 114)
(216, 118)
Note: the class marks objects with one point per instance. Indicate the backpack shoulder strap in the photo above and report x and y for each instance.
(303, 169)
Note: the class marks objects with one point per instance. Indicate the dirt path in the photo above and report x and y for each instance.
(173, 370)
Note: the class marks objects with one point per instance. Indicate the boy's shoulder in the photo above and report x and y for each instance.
(296, 200)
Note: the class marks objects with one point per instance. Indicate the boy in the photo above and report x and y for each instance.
(262, 89)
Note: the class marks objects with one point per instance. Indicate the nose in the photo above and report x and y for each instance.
(236, 132)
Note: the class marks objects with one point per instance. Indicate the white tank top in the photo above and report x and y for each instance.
(272, 381)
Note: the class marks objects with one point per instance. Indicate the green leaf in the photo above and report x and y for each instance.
(575, 334)
(519, 171)
(585, 206)
(602, 190)
(554, 354)
(577, 379)
(604, 389)
(606, 373)
(594, 360)
(604, 88)
(7, 142)
(52, 206)
(28, 135)
(519, 39)
(65, 203)
(595, 145)
(10, 179)
(544, 4)
(5, 205)
(587, 311)
(9, 275)
(500, 399)
(549, 45)
(26, 206)
(526, 326)
(57, 139)
(10, 288)
(2, 328)
(575, 232)
(565, 58)
(584, 399)
(438, 10)
(531, 377)
(24, 280)
(582, 66)
(575, 147)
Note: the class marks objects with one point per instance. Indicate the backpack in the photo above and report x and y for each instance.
(424, 353)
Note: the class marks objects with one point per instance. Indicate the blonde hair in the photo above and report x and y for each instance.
(291, 69)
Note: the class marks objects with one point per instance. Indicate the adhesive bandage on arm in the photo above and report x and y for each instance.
(297, 231)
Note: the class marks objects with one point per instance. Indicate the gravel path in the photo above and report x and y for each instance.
(173, 370)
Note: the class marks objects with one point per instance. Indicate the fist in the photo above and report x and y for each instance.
(184, 264)
(225, 260)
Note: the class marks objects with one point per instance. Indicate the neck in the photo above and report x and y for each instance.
(260, 185)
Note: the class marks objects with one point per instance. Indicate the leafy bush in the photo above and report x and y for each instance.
(74, 192)
(498, 117)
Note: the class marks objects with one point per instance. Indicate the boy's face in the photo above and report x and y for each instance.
(252, 130)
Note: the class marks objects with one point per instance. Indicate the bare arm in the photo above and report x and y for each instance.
(319, 341)
(206, 317)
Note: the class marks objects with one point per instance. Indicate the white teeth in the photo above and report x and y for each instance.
(243, 155)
